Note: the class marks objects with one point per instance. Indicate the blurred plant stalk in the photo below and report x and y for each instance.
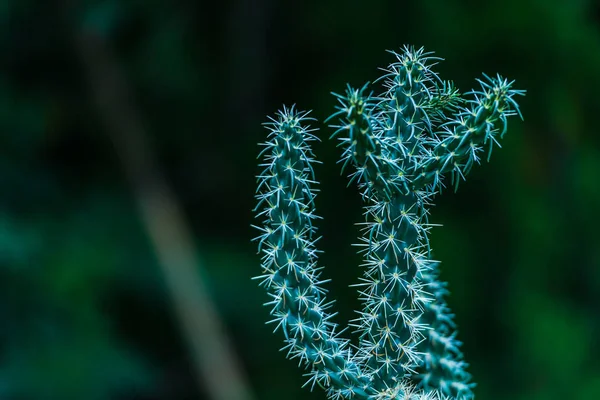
(215, 360)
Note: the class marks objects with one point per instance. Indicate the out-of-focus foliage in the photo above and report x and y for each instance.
(84, 310)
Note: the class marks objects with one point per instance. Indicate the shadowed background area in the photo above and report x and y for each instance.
(128, 144)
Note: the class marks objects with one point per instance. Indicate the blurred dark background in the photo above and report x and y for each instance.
(128, 134)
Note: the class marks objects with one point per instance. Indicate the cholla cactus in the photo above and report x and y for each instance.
(401, 144)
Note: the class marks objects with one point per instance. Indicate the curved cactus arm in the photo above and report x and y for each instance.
(475, 129)
(286, 195)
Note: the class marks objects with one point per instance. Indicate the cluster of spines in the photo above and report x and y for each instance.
(401, 143)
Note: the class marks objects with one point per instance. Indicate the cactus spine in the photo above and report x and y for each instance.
(401, 143)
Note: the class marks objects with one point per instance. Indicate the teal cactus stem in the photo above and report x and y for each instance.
(290, 273)
(401, 144)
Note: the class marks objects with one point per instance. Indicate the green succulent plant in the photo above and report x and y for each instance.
(401, 144)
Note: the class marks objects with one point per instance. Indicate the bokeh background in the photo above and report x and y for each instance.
(128, 133)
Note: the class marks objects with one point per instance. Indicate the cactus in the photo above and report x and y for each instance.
(401, 144)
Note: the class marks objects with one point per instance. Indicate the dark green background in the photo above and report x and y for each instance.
(84, 313)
